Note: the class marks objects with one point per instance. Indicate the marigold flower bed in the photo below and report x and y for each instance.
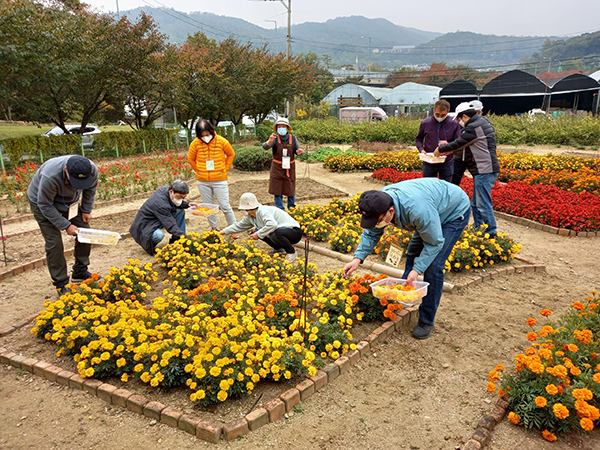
(556, 384)
(338, 223)
(229, 316)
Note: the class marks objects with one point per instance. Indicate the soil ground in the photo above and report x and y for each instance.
(408, 394)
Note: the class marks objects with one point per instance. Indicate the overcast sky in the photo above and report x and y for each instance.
(500, 17)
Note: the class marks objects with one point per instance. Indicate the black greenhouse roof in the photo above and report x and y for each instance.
(514, 83)
(459, 88)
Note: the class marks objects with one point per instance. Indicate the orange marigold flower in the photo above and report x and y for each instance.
(560, 411)
(501, 393)
(531, 336)
(550, 437)
(493, 375)
(575, 371)
(596, 377)
(586, 424)
(541, 401)
(573, 348)
(531, 322)
(499, 368)
(582, 394)
(579, 306)
(560, 371)
(512, 417)
(491, 387)
(545, 312)
(530, 351)
(551, 389)
(544, 353)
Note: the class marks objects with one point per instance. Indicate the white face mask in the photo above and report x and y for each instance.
(440, 119)
(206, 139)
(462, 123)
(177, 201)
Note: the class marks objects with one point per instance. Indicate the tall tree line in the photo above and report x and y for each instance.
(61, 62)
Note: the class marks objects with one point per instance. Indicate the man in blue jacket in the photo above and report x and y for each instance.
(438, 212)
(164, 209)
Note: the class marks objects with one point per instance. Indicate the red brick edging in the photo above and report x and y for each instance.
(486, 425)
(208, 431)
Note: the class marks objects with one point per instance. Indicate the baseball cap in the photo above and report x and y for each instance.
(462, 107)
(80, 172)
(477, 105)
(373, 204)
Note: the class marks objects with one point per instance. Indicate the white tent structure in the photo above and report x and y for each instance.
(595, 75)
(369, 96)
(410, 97)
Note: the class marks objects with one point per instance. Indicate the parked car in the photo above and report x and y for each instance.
(88, 133)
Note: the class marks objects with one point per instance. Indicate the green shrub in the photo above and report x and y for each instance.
(252, 159)
(322, 153)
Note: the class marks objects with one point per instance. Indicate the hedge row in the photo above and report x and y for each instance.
(510, 130)
(115, 143)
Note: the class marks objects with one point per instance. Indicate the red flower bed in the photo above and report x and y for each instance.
(393, 176)
(545, 204)
(549, 205)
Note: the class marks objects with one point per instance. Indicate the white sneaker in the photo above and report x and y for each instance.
(291, 257)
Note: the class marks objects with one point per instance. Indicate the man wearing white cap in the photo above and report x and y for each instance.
(283, 168)
(460, 165)
(273, 226)
(478, 146)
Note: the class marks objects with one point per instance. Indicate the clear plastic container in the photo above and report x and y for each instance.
(383, 289)
(204, 209)
(91, 236)
(429, 158)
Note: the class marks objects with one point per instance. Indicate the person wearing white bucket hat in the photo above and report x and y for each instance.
(283, 168)
(272, 225)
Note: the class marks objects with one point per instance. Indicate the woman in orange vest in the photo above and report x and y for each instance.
(211, 157)
(283, 168)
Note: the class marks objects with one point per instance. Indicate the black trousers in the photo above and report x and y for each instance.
(284, 238)
(55, 257)
(459, 169)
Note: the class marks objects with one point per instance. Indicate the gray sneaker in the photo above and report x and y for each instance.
(422, 330)
(291, 257)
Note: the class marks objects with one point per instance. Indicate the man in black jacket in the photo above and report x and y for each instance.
(478, 141)
(164, 209)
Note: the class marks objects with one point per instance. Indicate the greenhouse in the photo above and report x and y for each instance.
(355, 95)
(459, 91)
(408, 98)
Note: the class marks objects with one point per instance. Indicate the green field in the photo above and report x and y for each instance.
(15, 130)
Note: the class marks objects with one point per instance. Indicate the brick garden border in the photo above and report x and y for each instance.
(209, 431)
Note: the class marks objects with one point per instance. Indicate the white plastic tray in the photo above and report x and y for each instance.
(92, 236)
(429, 158)
(381, 289)
(212, 209)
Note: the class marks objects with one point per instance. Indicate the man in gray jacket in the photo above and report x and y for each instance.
(61, 197)
(165, 209)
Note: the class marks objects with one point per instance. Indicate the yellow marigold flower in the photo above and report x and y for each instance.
(541, 401)
(222, 396)
(215, 371)
(89, 372)
(125, 378)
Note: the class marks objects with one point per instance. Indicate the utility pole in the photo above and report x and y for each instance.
(118, 14)
(288, 53)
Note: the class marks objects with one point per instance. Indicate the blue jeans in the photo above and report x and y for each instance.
(179, 216)
(291, 202)
(481, 201)
(434, 274)
(444, 171)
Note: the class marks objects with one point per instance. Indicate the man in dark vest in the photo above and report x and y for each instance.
(164, 209)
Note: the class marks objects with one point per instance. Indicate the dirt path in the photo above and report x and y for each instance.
(407, 395)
